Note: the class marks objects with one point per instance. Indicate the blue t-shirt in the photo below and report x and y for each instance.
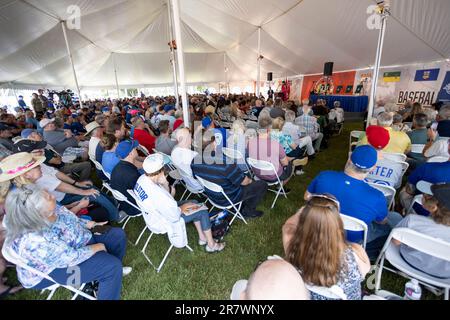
(432, 173)
(109, 161)
(357, 199)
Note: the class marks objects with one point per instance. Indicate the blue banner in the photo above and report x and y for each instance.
(427, 75)
(444, 94)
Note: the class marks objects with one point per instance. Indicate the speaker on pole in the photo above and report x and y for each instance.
(328, 69)
(270, 76)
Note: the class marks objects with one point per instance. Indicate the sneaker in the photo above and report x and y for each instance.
(122, 216)
(217, 248)
(202, 243)
(126, 271)
(298, 173)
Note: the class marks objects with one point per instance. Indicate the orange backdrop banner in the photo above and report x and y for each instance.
(343, 79)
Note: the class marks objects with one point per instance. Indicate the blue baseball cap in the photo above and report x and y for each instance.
(169, 108)
(364, 157)
(105, 109)
(125, 147)
(26, 133)
(206, 122)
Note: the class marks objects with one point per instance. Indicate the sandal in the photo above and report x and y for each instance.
(10, 291)
(202, 243)
(217, 248)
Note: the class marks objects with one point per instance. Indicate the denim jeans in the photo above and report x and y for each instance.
(101, 200)
(104, 267)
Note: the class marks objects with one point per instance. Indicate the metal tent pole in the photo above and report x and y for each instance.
(173, 60)
(376, 69)
(258, 75)
(180, 55)
(63, 25)
(115, 75)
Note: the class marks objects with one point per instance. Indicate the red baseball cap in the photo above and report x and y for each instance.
(378, 137)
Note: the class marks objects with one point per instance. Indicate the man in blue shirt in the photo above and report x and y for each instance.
(434, 173)
(213, 167)
(358, 199)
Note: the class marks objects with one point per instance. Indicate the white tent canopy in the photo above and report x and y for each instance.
(297, 38)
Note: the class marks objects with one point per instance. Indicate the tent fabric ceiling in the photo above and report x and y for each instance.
(297, 36)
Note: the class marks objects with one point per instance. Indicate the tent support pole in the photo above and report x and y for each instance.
(258, 75)
(173, 60)
(376, 68)
(115, 75)
(227, 87)
(175, 5)
(69, 52)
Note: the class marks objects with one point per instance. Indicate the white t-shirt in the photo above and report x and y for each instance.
(50, 182)
(164, 215)
(387, 172)
(182, 158)
(438, 149)
(93, 143)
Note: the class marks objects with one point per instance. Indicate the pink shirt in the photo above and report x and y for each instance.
(269, 150)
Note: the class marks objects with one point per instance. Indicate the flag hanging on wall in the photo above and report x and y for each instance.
(427, 75)
(392, 76)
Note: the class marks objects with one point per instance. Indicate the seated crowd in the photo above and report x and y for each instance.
(50, 208)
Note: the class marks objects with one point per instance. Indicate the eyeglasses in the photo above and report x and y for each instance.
(27, 193)
(323, 196)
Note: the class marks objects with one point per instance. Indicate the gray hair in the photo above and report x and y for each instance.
(25, 207)
(444, 113)
(265, 121)
(305, 102)
(397, 118)
(351, 167)
(238, 126)
(385, 119)
(290, 116)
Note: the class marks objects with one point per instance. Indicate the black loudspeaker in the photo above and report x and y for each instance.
(328, 69)
(269, 76)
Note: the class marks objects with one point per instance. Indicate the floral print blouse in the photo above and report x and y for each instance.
(62, 244)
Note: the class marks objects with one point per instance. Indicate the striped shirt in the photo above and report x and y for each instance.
(226, 175)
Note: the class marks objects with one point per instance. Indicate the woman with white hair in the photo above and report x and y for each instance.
(238, 141)
(54, 241)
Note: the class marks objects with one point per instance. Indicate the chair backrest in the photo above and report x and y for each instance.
(388, 191)
(261, 165)
(334, 292)
(97, 164)
(396, 157)
(438, 159)
(356, 134)
(210, 185)
(405, 166)
(432, 246)
(354, 224)
(417, 148)
(232, 153)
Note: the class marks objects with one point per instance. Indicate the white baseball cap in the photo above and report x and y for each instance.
(45, 122)
(153, 163)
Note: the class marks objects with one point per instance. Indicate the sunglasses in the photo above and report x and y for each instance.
(328, 197)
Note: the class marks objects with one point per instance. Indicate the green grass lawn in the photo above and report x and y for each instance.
(202, 276)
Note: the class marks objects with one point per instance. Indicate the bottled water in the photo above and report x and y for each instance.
(413, 291)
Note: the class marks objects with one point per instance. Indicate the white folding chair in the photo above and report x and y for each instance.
(122, 198)
(417, 199)
(388, 192)
(334, 292)
(267, 166)
(186, 179)
(429, 245)
(234, 208)
(10, 255)
(417, 148)
(236, 155)
(354, 135)
(396, 157)
(99, 167)
(356, 225)
(153, 230)
(438, 159)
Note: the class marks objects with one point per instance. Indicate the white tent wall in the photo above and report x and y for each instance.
(298, 36)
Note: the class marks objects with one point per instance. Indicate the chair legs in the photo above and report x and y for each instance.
(140, 236)
(281, 190)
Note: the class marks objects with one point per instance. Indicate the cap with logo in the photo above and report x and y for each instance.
(364, 157)
(125, 147)
(153, 163)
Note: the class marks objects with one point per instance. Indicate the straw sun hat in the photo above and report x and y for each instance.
(18, 164)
